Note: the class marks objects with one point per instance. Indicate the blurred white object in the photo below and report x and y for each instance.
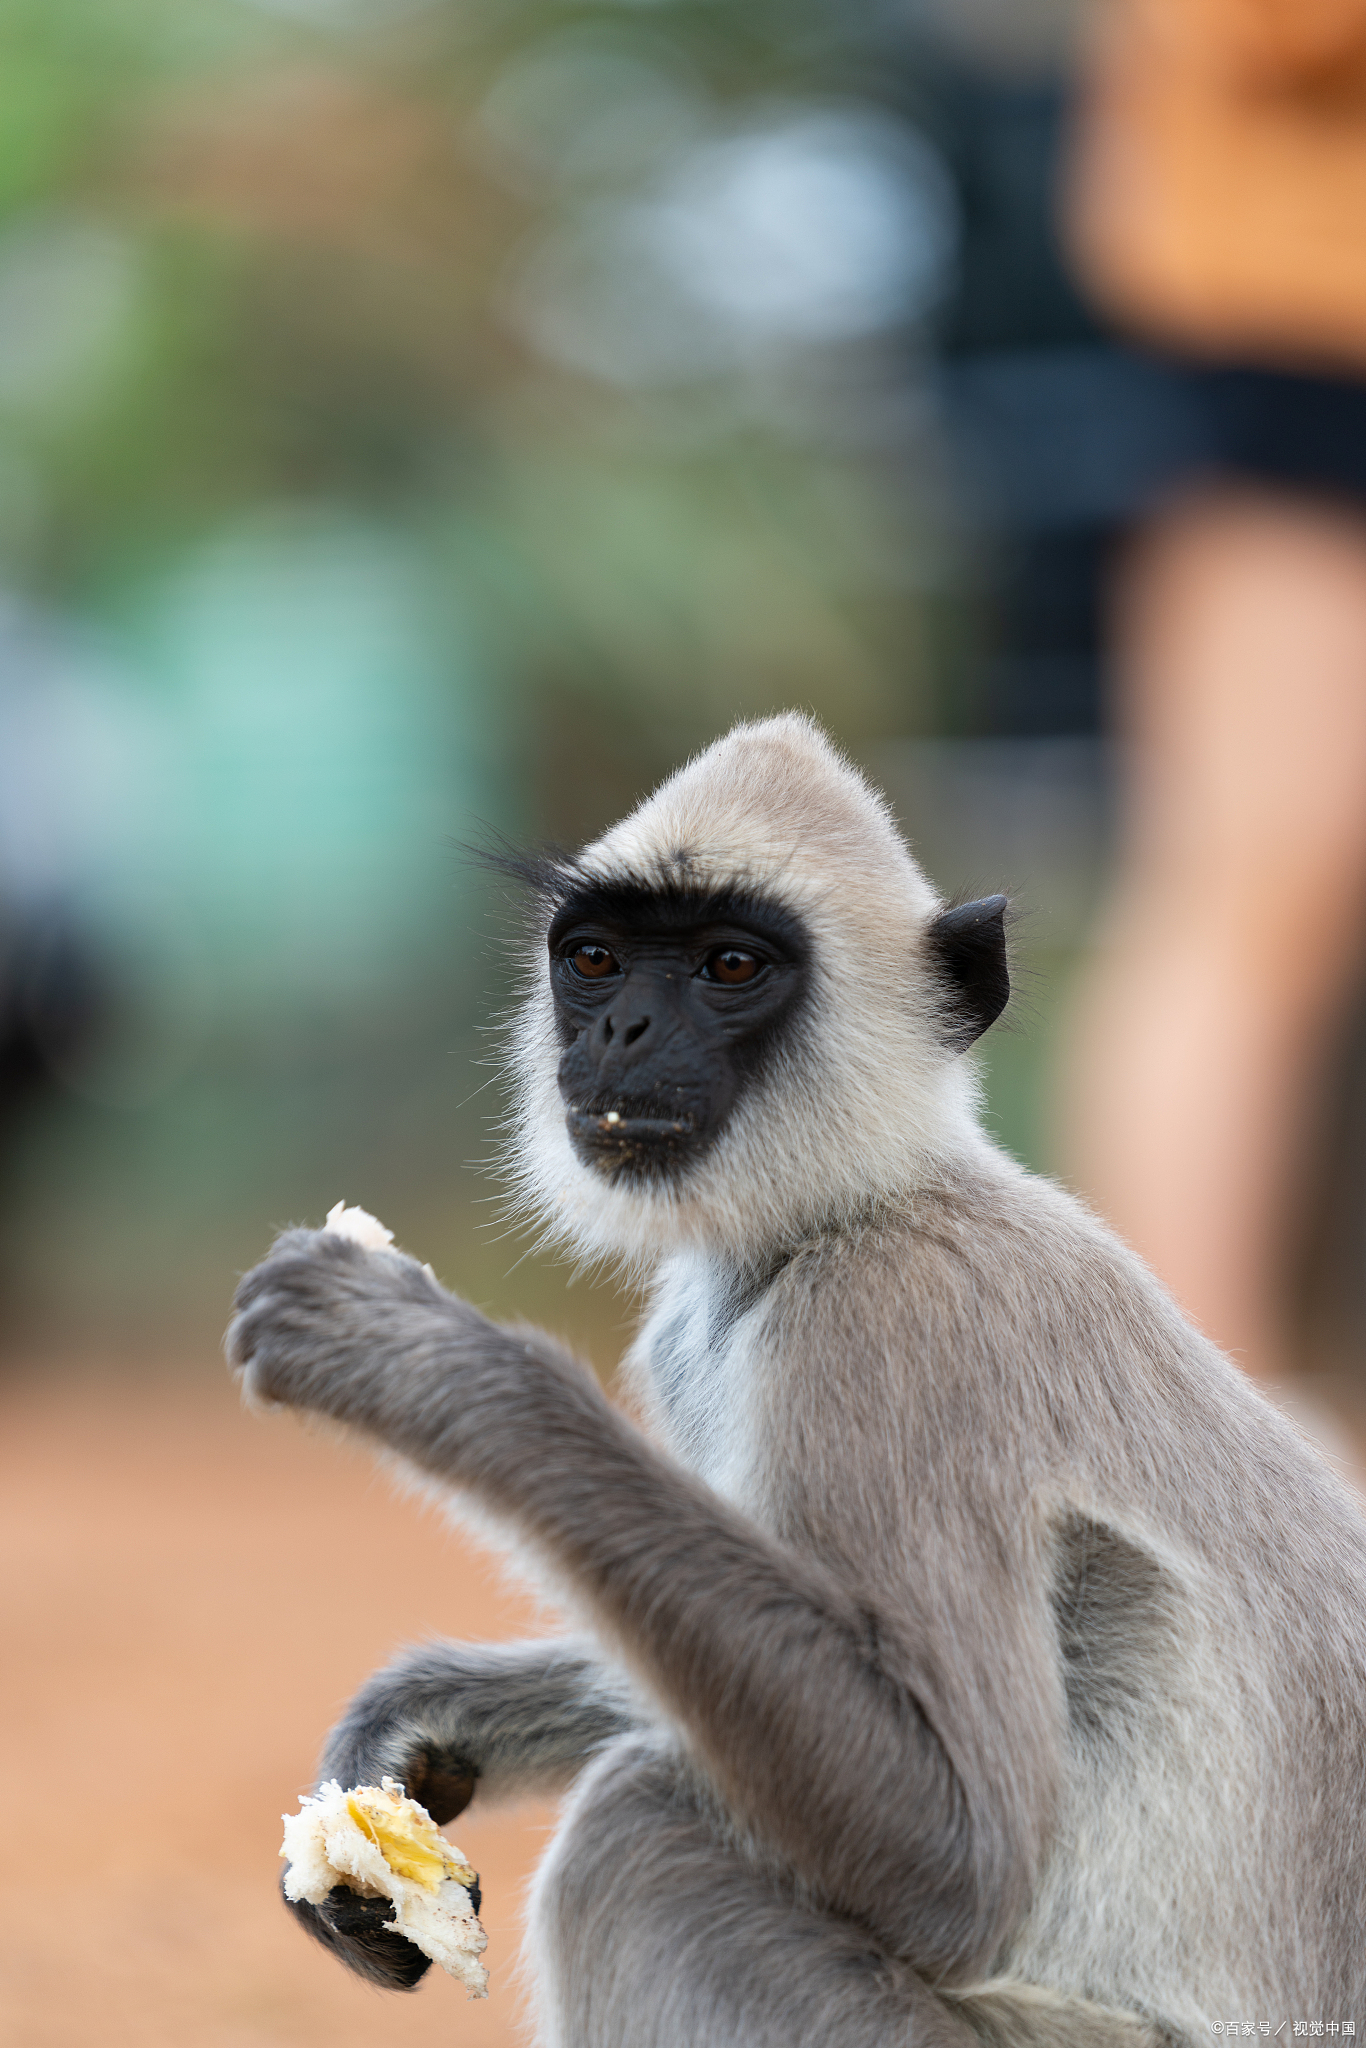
(812, 227)
(822, 225)
(360, 1226)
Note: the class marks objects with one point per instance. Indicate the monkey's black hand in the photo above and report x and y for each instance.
(377, 1740)
(354, 1929)
(327, 1324)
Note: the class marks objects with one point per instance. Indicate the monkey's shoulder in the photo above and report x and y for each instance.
(989, 1259)
(992, 1316)
(984, 1288)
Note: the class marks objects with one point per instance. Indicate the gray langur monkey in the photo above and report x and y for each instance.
(970, 1654)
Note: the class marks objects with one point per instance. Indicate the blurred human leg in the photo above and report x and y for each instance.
(1191, 1084)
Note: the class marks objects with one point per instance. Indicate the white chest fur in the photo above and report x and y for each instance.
(693, 1365)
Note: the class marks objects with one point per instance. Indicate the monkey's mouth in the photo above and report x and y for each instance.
(614, 1140)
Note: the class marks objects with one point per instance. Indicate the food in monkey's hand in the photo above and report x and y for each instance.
(360, 1226)
(363, 1229)
(384, 1845)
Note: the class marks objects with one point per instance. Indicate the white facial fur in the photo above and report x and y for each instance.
(864, 1091)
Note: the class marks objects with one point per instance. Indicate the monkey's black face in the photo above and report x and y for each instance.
(668, 1005)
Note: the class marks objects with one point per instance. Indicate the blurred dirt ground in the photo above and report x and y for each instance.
(187, 1596)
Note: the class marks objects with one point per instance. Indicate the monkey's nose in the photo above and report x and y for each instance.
(628, 1029)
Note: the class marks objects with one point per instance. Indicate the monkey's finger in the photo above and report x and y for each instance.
(241, 1339)
(262, 1348)
(357, 1930)
(444, 1784)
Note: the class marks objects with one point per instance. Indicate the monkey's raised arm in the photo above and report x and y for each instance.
(823, 1724)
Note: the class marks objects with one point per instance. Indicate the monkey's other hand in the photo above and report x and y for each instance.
(328, 1324)
(353, 1928)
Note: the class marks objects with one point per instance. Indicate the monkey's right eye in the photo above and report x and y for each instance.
(593, 963)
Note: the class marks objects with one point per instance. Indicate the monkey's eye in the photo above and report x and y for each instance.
(730, 965)
(592, 963)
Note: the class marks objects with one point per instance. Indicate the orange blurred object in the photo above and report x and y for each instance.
(1217, 191)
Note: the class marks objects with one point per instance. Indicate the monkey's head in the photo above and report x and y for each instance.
(748, 1010)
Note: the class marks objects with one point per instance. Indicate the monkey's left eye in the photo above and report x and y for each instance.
(592, 963)
(730, 965)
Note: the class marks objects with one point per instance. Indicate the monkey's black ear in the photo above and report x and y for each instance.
(968, 946)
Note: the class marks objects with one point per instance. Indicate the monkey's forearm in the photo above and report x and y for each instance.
(459, 1720)
(804, 1710)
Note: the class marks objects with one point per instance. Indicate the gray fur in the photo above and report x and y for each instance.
(993, 1652)
(517, 1718)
